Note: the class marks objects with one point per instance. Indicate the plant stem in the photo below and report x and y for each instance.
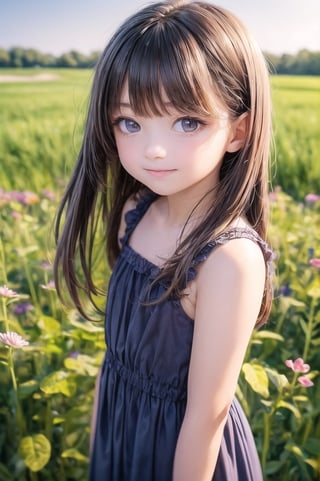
(33, 293)
(33, 476)
(306, 432)
(20, 418)
(309, 330)
(266, 439)
(5, 314)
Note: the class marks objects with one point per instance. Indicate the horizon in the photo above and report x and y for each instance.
(86, 26)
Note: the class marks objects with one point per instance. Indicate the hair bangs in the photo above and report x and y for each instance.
(166, 68)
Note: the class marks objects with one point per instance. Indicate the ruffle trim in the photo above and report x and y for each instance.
(132, 218)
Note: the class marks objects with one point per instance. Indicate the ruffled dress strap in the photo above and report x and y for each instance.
(235, 233)
(133, 216)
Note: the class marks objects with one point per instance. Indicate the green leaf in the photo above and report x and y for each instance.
(27, 388)
(316, 341)
(279, 380)
(257, 378)
(286, 302)
(49, 325)
(293, 409)
(22, 252)
(35, 451)
(314, 292)
(86, 325)
(58, 420)
(74, 454)
(268, 335)
(267, 404)
(58, 382)
(313, 463)
(273, 467)
(295, 449)
(313, 446)
(82, 365)
(51, 348)
(303, 325)
(300, 398)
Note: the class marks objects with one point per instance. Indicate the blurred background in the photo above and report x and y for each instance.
(48, 50)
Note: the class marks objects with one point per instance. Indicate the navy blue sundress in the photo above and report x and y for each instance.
(143, 384)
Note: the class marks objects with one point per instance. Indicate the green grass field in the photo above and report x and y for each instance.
(41, 125)
(46, 388)
(40, 128)
(297, 133)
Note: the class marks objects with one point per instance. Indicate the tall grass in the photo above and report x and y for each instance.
(297, 134)
(40, 129)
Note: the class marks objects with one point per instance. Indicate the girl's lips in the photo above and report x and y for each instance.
(159, 172)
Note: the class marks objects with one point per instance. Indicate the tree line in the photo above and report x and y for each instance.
(305, 62)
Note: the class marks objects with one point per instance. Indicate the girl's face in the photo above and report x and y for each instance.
(172, 153)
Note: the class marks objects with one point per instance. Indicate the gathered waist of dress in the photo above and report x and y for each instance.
(143, 383)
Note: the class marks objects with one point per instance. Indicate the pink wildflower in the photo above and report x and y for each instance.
(315, 262)
(48, 194)
(298, 365)
(30, 198)
(6, 292)
(16, 215)
(5, 197)
(12, 339)
(17, 196)
(312, 198)
(305, 381)
(273, 197)
(45, 265)
(49, 286)
(25, 198)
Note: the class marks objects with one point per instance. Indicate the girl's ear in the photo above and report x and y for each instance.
(239, 131)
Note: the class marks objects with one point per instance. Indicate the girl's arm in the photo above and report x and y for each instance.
(229, 290)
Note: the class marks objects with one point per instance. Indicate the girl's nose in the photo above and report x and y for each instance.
(155, 151)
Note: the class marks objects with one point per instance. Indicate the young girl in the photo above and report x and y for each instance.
(174, 163)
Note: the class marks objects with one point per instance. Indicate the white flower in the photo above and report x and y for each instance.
(6, 292)
(50, 286)
(12, 339)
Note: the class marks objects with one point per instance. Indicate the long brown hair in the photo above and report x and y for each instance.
(189, 50)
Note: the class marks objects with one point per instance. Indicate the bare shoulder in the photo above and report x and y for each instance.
(130, 204)
(238, 257)
(233, 275)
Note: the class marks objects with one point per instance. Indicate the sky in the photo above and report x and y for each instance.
(58, 26)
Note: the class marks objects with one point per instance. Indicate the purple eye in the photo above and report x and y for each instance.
(187, 125)
(128, 126)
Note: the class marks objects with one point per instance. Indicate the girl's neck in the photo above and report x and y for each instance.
(182, 213)
(177, 209)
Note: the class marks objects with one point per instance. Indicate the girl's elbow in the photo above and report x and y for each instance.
(209, 419)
